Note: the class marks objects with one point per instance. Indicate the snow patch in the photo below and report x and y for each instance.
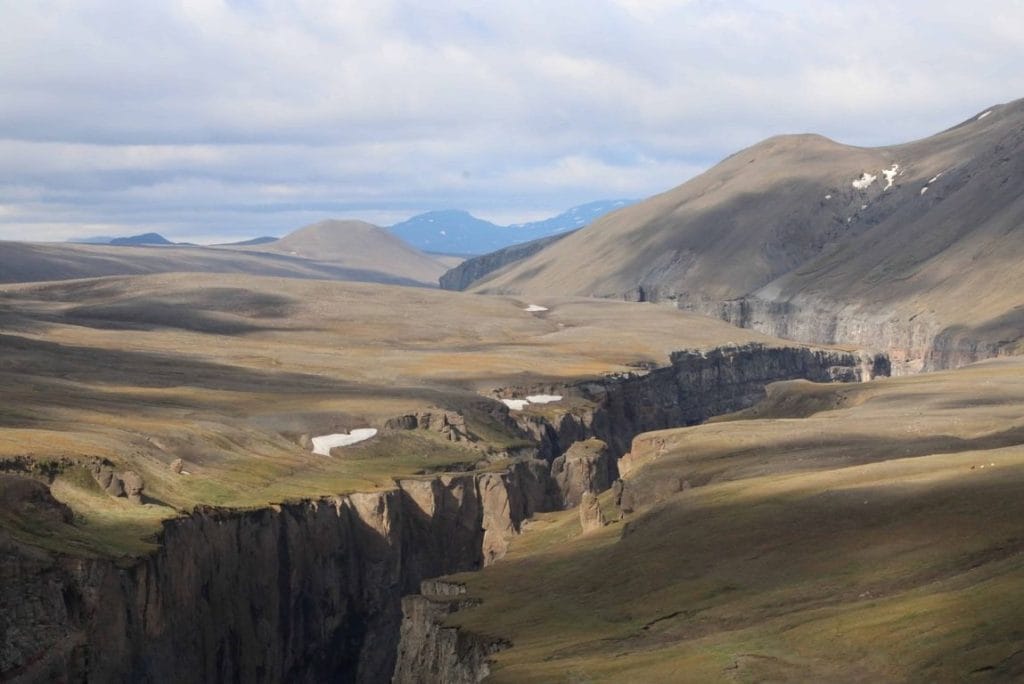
(983, 115)
(890, 175)
(443, 232)
(520, 404)
(828, 196)
(924, 189)
(935, 178)
(534, 308)
(865, 181)
(543, 398)
(323, 444)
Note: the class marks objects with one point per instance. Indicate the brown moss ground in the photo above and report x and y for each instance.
(227, 372)
(877, 542)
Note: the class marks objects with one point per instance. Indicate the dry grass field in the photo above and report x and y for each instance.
(230, 372)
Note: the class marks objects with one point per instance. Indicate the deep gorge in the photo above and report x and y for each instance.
(313, 591)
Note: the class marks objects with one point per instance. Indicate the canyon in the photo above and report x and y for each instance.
(313, 590)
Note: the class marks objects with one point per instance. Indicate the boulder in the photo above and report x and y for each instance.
(133, 486)
(107, 479)
(591, 515)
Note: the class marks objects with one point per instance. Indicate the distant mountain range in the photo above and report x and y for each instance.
(131, 240)
(451, 231)
(455, 231)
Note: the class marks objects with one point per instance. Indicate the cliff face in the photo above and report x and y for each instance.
(298, 592)
(312, 591)
(696, 386)
(429, 652)
(909, 341)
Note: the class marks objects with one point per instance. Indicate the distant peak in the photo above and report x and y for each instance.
(143, 239)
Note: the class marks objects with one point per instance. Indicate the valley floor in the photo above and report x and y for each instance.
(834, 533)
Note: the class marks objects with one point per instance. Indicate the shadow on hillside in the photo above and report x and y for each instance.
(698, 568)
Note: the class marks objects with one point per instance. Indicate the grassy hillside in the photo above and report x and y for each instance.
(22, 262)
(836, 533)
(912, 247)
(232, 374)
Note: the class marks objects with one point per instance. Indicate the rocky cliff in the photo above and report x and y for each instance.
(307, 591)
(696, 386)
(913, 343)
(312, 591)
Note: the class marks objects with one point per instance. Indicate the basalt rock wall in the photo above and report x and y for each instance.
(696, 386)
(312, 591)
(304, 592)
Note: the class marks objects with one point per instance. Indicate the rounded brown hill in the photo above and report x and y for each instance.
(914, 248)
(357, 245)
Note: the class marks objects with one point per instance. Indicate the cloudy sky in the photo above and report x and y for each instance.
(213, 119)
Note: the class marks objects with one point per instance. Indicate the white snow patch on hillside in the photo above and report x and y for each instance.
(890, 175)
(828, 196)
(520, 404)
(543, 398)
(924, 189)
(323, 444)
(983, 115)
(935, 178)
(865, 181)
(534, 308)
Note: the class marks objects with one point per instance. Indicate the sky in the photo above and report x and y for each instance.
(209, 120)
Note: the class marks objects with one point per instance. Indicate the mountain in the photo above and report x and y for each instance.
(143, 239)
(913, 248)
(574, 218)
(357, 245)
(455, 231)
(451, 231)
(463, 275)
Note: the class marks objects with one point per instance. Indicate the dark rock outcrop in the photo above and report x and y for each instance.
(429, 652)
(451, 424)
(696, 386)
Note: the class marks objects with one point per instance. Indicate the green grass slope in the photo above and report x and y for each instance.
(842, 533)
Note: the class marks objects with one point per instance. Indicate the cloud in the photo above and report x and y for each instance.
(236, 118)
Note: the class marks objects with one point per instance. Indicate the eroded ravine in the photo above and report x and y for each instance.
(313, 591)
